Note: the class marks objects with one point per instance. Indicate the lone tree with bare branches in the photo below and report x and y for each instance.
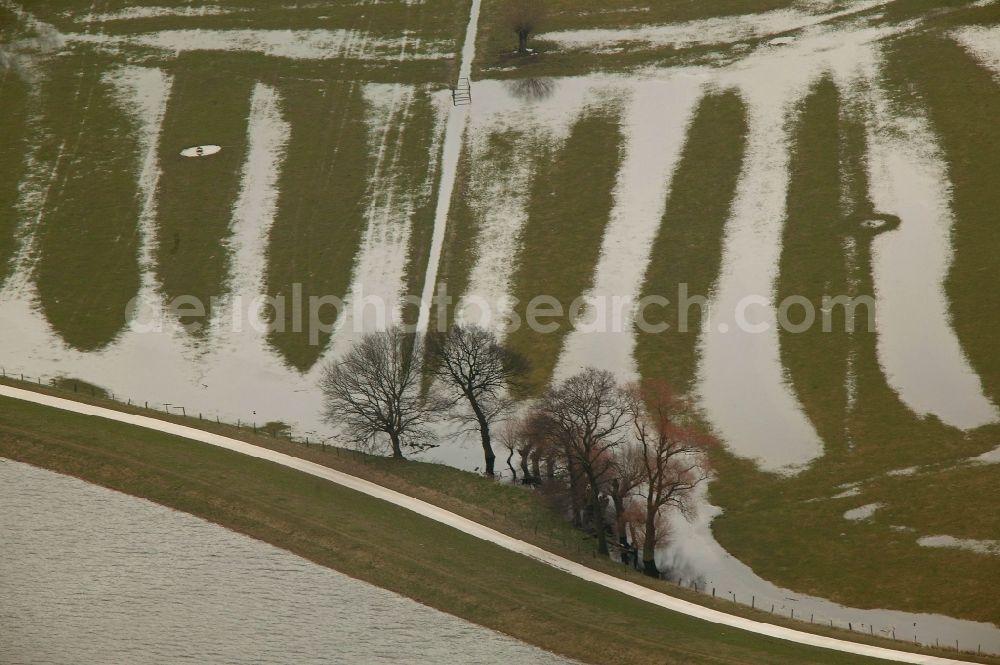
(524, 18)
(374, 393)
(589, 414)
(673, 457)
(478, 370)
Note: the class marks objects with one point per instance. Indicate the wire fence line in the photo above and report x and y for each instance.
(585, 543)
(83, 388)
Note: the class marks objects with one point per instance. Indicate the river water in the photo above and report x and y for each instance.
(89, 575)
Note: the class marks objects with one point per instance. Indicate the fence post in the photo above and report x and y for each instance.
(753, 602)
(713, 592)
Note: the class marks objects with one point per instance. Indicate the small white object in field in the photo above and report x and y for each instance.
(780, 41)
(200, 150)
(862, 513)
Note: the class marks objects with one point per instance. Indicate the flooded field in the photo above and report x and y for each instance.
(825, 149)
(91, 575)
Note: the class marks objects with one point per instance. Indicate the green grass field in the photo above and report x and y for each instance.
(385, 545)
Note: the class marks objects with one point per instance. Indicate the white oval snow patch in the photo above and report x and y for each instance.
(779, 41)
(200, 150)
(862, 512)
(978, 546)
(849, 490)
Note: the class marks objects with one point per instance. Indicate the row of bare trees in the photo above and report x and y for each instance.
(618, 457)
(624, 454)
(377, 393)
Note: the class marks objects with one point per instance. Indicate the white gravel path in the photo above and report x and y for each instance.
(480, 531)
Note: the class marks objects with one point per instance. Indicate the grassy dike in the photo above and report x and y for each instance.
(393, 548)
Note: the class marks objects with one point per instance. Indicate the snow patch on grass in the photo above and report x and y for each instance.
(379, 269)
(983, 43)
(146, 91)
(862, 513)
(991, 547)
(254, 211)
(294, 44)
(849, 490)
(720, 30)
(133, 13)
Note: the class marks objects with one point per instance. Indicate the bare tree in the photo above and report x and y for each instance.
(673, 457)
(635, 520)
(511, 439)
(524, 17)
(588, 412)
(479, 370)
(627, 474)
(374, 392)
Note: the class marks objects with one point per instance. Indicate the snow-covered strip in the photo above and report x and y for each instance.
(498, 199)
(253, 214)
(133, 13)
(374, 299)
(483, 532)
(970, 544)
(983, 43)
(721, 30)
(917, 347)
(741, 381)
(294, 44)
(654, 127)
(499, 192)
(145, 90)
